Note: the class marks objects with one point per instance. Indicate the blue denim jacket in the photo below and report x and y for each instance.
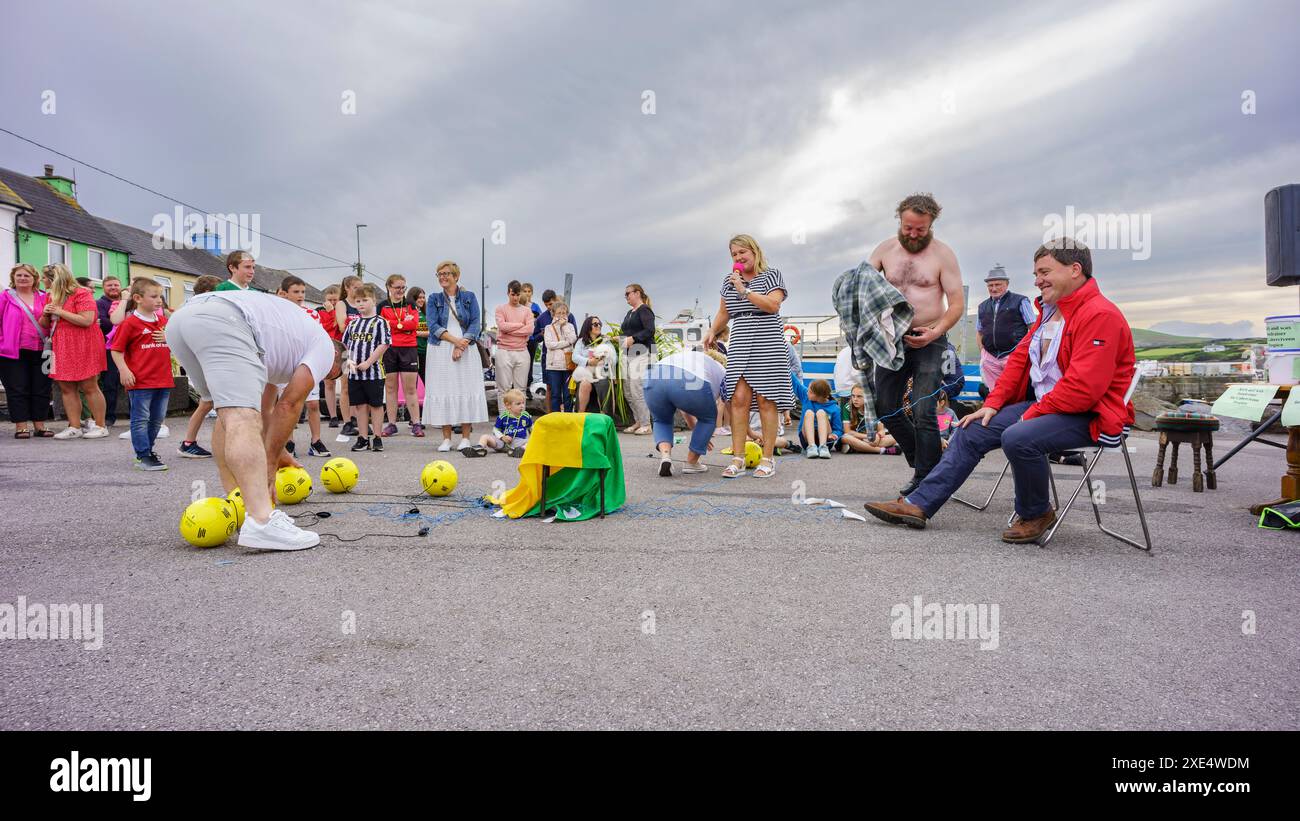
(436, 314)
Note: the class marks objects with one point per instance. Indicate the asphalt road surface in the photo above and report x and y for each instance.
(704, 603)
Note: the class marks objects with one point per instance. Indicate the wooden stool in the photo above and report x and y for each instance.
(1196, 429)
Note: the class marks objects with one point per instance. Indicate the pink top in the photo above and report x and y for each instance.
(16, 330)
(514, 326)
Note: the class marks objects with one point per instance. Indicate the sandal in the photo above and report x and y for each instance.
(22, 434)
(765, 471)
(44, 433)
(734, 470)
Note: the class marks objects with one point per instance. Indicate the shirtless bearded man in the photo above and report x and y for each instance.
(925, 270)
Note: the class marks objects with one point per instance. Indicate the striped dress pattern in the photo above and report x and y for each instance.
(756, 348)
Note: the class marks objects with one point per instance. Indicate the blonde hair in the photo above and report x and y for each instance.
(22, 266)
(63, 284)
(138, 287)
(558, 304)
(388, 283)
(446, 263)
(513, 395)
(856, 416)
(748, 242)
(716, 357)
(644, 297)
(331, 290)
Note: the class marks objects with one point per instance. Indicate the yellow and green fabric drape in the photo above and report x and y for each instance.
(575, 446)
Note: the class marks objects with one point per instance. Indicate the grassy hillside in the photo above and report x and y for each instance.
(1170, 348)
(1142, 338)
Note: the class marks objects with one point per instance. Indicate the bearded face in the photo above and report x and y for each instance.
(914, 244)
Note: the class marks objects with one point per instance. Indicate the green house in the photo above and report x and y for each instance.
(58, 229)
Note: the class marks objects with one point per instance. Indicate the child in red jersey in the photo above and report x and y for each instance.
(145, 363)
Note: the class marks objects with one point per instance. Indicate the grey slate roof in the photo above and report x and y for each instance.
(57, 216)
(139, 244)
(9, 197)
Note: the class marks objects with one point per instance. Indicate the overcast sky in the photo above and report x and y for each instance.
(803, 124)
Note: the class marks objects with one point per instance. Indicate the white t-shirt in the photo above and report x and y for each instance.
(287, 335)
(700, 365)
(846, 376)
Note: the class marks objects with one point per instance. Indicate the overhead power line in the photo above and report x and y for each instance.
(202, 211)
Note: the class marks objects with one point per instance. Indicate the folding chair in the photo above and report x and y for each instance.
(1086, 482)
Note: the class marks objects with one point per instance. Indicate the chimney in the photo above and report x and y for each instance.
(62, 185)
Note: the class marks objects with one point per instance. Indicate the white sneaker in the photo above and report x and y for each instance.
(279, 533)
(163, 433)
(464, 443)
(90, 425)
(695, 468)
(99, 433)
(212, 414)
(126, 434)
(722, 431)
(69, 433)
(445, 447)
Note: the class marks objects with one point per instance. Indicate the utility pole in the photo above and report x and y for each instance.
(359, 269)
(482, 272)
(568, 291)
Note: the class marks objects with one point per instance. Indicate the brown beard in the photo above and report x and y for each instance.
(915, 246)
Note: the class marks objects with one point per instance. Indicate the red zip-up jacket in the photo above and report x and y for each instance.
(1096, 361)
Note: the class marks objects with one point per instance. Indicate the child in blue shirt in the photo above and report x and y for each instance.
(510, 433)
(822, 424)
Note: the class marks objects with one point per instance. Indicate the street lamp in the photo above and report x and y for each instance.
(359, 227)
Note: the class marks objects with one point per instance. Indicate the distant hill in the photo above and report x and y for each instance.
(1170, 348)
(1143, 338)
(1240, 329)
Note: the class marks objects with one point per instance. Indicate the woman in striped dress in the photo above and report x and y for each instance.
(758, 370)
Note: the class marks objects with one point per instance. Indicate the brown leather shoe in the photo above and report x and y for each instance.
(1025, 531)
(897, 513)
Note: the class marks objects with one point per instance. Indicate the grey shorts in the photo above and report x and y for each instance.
(215, 344)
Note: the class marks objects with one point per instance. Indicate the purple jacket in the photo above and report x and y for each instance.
(13, 318)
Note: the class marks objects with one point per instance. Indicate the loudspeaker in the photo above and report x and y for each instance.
(1282, 235)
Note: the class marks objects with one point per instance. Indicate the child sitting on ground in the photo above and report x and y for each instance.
(947, 420)
(145, 363)
(864, 433)
(821, 424)
(510, 433)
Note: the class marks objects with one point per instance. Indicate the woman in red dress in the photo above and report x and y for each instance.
(78, 351)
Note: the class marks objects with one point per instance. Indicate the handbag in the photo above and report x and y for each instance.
(569, 364)
(485, 358)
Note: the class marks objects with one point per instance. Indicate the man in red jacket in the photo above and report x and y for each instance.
(1078, 358)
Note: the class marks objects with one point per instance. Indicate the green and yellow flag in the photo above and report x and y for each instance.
(576, 446)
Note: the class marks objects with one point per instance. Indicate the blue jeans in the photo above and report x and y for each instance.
(557, 391)
(1026, 444)
(148, 410)
(670, 389)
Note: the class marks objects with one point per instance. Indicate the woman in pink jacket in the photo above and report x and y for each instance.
(22, 353)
